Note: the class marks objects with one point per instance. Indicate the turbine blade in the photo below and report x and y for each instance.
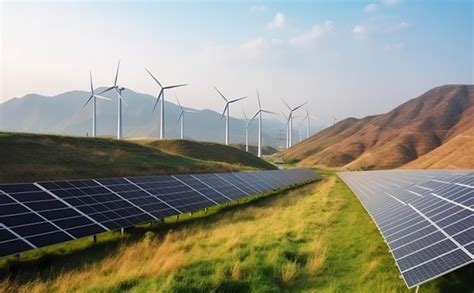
(269, 112)
(286, 104)
(157, 99)
(254, 115)
(92, 87)
(173, 86)
(236, 100)
(258, 99)
(225, 108)
(120, 97)
(87, 102)
(106, 90)
(314, 117)
(221, 94)
(103, 98)
(178, 102)
(245, 116)
(180, 115)
(154, 78)
(116, 73)
(299, 106)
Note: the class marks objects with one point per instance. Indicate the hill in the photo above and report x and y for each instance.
(266, 149)
(32, 157)
(393, 139)
(457, 153)
(62, 114)
(208, 151)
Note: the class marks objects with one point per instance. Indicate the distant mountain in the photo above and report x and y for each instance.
(410, 131)
(61, 114)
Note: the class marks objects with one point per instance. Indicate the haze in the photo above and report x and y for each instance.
(352, 58)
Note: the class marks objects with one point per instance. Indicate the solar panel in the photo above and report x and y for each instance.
(425, 217)
(34, 215)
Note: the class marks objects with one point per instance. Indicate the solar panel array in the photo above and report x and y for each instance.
(425, 217)
(34, 215)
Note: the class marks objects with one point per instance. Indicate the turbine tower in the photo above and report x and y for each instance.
(93, 98)
(308, 122)
(162, 96)
(259, 113)
(287, 128)
(290, 118)
(247, 124)
(118, 90)
(181, 117)
(226, 112)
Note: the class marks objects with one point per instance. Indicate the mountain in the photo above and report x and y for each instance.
(396, 138)
(61, 114)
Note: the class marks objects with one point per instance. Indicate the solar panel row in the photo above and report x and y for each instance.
(425, 217)
(38, 214)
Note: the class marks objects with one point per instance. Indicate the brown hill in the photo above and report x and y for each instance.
(392, 139)
(457, 153)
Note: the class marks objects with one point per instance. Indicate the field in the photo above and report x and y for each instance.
(31, 157)
(313, 238)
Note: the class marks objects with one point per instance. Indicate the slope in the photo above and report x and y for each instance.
(393, 139)
(209, 151)
(32, 157)
(457, 153)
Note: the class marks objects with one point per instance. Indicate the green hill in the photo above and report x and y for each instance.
(209, 151)
(266, 149)
(33, 157)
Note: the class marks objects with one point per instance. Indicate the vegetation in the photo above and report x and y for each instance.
(314, 238)
(209, 151)
(32, 157)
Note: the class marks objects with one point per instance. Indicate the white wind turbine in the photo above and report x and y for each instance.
(181, 117)
(308, 125)
(118, 91)
(290, 118)
(93, 97)
(162, 96)
(247, 125)
(334, 120)
(226, 112)
(259, 113)
(287, 128)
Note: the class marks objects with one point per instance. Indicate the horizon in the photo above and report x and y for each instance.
(278, 48)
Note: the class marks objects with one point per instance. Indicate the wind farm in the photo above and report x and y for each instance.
(240, 147)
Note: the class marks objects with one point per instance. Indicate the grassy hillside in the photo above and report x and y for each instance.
(30, 157)
(393, 139)
(209, 151)
(266, 150)
(314, 238)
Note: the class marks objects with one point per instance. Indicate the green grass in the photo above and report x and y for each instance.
(313, 238)
(209, 151)
(32, 157)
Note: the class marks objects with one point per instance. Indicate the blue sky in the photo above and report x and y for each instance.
(346, 58)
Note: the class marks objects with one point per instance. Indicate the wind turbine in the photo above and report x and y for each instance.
(287, 129)
(93, 98)
(181, 117)
(247, 124)
(162, 96)
(259, 113)
(308, 126)
(226, 112)
(118, 91)
(334, 120)
(290, 116)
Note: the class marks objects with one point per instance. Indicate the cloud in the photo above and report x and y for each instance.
(391, 2)
(363, 31)
(372, 7)
(395, 46)
(258, 8)
(398, 27)
(277, 22)
(316, 32)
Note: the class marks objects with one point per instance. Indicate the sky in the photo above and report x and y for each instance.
(345, 58)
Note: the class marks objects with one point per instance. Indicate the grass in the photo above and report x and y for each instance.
(209, 151)
(31, 157)
(313, 238)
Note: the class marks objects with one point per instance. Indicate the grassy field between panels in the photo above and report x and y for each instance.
(313, 238)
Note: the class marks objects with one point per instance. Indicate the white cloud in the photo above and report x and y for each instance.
(362, 31)
(398, 27)
(372, 7)
(390, 2)
(258, 8)
(395, 46)
(277, 22)
(317, 31)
